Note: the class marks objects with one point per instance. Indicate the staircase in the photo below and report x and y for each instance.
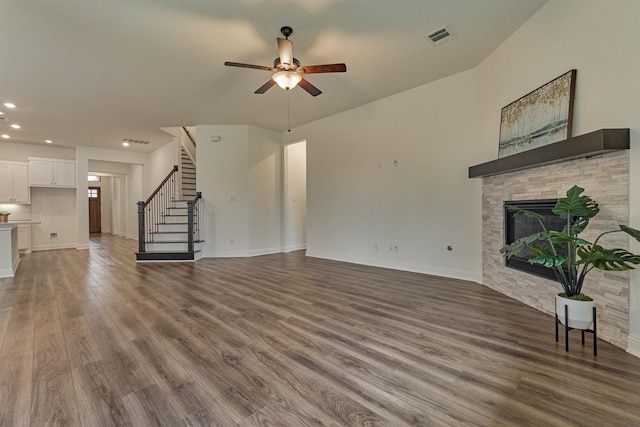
(169, 226)
(187, 174)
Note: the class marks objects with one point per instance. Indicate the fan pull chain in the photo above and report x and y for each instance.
(289, 110)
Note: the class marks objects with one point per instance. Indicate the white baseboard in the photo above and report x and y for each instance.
(633, 345)
(227, 254)
(414, 268)
(266, 251)
(6, 272)
(54, 246)
(297, 247)
(82, 247)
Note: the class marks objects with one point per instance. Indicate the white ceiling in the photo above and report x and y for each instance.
(95, 72)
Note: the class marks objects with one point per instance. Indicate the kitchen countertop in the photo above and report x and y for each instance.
(10, 224)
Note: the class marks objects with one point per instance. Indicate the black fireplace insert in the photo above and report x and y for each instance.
(519, 226)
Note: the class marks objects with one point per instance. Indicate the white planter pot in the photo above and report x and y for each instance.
(580, 312)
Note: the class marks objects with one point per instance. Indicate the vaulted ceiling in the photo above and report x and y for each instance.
(95, 72)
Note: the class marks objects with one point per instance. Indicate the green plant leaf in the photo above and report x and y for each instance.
(521, 244)
(631, 232)
(549, 260)
(558, 237)
(616, 259)
(519, 211)
(576, 205)
(578, 209)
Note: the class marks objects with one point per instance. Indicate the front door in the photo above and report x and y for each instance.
(94, 210)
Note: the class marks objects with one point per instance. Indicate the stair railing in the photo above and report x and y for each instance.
(193, 221)
(152, 211)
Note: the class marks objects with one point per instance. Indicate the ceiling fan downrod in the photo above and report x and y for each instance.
(286, 31)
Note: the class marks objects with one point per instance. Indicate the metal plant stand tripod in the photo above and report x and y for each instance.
(567, 329)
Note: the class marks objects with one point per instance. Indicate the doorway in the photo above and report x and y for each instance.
(295, 196)
(95, 217)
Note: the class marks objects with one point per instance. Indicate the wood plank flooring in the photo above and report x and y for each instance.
(90, 338)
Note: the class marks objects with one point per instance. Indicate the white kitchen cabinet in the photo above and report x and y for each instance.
(14, 183)
(52, 173)
(24, 237)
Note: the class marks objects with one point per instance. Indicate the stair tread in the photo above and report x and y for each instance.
(170, 232)
(170, 252)
(176, 241)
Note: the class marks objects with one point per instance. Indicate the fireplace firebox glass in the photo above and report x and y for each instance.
(519, 226)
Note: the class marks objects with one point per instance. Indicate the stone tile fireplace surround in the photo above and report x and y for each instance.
(605, 178)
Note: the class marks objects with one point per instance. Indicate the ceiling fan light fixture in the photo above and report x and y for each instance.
(287, 79)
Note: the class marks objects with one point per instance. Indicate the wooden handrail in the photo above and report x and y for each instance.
(189, 135)
(174, 170)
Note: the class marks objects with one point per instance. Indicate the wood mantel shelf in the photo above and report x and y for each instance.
(587, 145)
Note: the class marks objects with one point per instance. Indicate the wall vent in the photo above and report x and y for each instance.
(440, 35)
(135, 141)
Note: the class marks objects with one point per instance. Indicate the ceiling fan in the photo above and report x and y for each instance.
(287, 72)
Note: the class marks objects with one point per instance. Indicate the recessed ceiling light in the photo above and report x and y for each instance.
(126, 144)
(5, 136)
(48, 141)
(15, 126)
(9, 105)
(1, 113)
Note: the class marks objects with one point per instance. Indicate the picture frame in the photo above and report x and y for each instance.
(541, 117)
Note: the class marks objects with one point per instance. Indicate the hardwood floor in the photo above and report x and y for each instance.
(91, 338)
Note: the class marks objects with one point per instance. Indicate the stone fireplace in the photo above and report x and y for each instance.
(605, 178)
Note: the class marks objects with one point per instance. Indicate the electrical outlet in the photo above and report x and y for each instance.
(53, 236)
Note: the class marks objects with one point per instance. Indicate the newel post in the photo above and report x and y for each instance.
(190, 225)
(141, 242)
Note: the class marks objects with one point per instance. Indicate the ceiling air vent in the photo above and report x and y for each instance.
(439, 36)
(135, 141)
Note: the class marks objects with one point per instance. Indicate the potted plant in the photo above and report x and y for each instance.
(4, 216)
(571, 257)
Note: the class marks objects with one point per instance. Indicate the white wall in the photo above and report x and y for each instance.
(359, 203)
(600, 40)
(265, 191)
(295, 196)
(134, 194)
(117, 213)
(161, 161)
(106, 204)
(18, 152)
(221, 176)
(55, 209)
(240, 181)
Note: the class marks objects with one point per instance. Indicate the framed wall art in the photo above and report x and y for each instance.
(541, 117)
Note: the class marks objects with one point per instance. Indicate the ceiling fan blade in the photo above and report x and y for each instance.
(241, 65)
(285, 49)
(265, 87)
(311, 89)
(326, 68)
